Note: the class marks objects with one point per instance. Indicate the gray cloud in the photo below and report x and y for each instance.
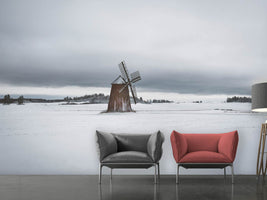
(161, 80)
(205, 47)
(199, 84)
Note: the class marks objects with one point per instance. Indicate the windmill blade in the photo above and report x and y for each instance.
(124, 71)
(134, 94)
(134, 91)
(135, 76)
(126, 85)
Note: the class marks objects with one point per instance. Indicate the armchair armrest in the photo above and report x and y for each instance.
(106, 144)
(154, 146)
(228, 145)
(179, 145)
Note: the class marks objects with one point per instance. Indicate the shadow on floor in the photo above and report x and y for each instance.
(190, 187)
(138, 187)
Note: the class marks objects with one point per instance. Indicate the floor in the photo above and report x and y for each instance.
(82, 187)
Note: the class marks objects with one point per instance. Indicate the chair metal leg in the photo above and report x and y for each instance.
(177, 192)
(232, 167)
(110, 174)
(224, 171)
(155, 174)
(158, 172)
(177, 174)
(100, 192)
(155, 192)
(100, 173)
(232, 192)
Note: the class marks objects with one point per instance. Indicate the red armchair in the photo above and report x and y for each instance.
(204, 150)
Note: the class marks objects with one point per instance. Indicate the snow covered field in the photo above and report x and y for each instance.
(60, 139)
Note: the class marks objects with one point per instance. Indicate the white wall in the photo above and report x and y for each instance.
(53, 139)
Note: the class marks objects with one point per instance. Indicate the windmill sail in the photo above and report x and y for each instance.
(126, 85)
(134, 92)
(129, 79)
(124, 71)
(135, 76)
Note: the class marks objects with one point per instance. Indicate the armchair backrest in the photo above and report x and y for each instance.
(132, 142)
(202, 142)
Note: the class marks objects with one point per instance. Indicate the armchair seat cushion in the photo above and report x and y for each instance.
(128, 157)
(205, 157)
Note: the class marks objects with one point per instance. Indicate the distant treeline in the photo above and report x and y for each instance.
(8, 100)
(239, 99)
(92, 99)
(88, 99)
(161, 101)
(21, 100)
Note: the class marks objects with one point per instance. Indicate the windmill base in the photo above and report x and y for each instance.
(106, 111)
(119, 101)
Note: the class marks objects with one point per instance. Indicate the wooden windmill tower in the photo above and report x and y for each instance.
(119, 100)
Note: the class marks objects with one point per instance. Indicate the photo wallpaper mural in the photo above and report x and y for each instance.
(196, 62)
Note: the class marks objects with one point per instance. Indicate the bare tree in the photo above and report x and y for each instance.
(20, 100)
(7, 99)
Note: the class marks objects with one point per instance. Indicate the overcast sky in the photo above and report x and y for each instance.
(189, 47)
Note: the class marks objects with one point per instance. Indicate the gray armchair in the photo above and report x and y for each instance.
(129, 151)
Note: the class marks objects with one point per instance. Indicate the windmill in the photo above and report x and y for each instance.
(119, 100)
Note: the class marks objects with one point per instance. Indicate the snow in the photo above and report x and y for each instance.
(60, 139)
